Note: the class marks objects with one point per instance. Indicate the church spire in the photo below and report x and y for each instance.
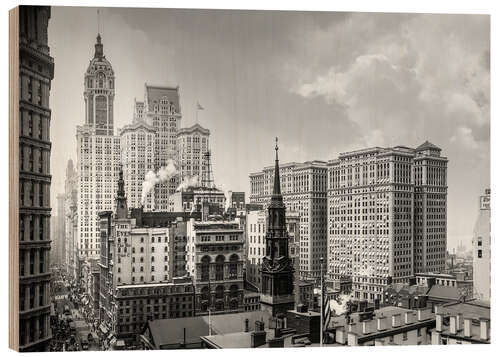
(277, 185)
(121, 199)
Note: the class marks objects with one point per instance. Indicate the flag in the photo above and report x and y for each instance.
(198, 106)
(327, 312)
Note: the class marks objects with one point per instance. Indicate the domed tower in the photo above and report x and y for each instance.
(99, 92)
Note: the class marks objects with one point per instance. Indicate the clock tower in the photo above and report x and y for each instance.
(277, 269)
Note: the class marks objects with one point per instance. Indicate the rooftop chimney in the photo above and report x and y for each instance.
(420, 314)
(460, 321)
(467, 327)
(484, 329)
(381, 323)
(408, 317)
(366, 327)
(453, 324)
(439, 322)
(396, 320)
(258, 338)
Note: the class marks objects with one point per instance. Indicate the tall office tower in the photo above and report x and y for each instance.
(304, 192)
(431, 190)
(98, 152)
(163, 112)
(138, 158)
(373, 216)
(277, 273)
(193, 144)
(138, 111)
(36, 70)
(70, 218)
(481, 242)
(58, 242)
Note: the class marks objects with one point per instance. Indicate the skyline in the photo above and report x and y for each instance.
(268, 85)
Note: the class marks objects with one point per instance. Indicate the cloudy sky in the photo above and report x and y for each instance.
(324, 83)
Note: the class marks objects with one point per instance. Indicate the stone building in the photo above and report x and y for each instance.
(98, 151)
(214, 260)
(481, 244)
(192, 145)
(36, 70)
(386, 216)
(161, 110)
(303, 187)
(137, 142)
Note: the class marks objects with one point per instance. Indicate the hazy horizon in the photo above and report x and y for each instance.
(323, 82)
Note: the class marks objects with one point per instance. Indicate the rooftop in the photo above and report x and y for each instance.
(171, 331)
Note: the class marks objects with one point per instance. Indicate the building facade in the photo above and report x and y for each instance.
(36, 70)
(481, 243)
(193, 144)
(137, 142)
(214, 260)
(70, 217)
(161, 110)
(304, 192)
(386, 216)
(58, 248)
(98, 152)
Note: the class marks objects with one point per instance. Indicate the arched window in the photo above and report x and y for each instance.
(233, 266)
(219, 292)
(205, 268)
(219, 267)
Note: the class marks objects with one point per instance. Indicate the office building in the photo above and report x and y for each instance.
(304, 192)
(98, 152)
(386, 216)
(137, 142)
(161, 110)
(481, 242)
(36, 70)
(214, 260)
(193, 145)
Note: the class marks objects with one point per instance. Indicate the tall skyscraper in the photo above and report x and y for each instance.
(36, 70)
(58, 241)
(276, 294)
(138, 158)
(162, 111)
(303, 188)
(70, 218)
(386, 216)
(193, 144)
(481, 243)
(98, 152)
(430, 213)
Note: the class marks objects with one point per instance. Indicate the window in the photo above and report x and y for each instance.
(479, 253)
(405, 336)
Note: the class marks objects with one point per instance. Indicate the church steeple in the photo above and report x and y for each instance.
(121, 199)
(277, 269)
(277, 185)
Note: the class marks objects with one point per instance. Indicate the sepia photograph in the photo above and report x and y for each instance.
(215, 178)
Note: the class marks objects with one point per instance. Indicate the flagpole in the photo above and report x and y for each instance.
(321, 308)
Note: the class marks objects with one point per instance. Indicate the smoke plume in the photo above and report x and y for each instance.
(152, 178)
(188, 182)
